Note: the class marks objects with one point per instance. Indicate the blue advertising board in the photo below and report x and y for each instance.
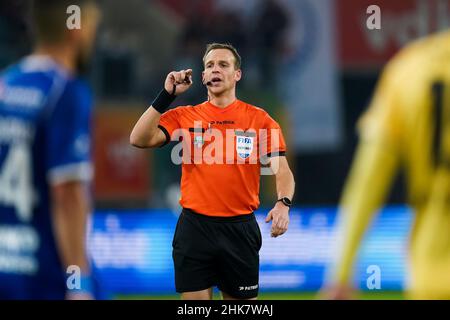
(132, 250)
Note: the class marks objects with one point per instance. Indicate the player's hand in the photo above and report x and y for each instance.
(336, 292)
(181, 79)
(280, 219)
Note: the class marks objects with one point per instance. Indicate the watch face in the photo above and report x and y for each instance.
(287, 201)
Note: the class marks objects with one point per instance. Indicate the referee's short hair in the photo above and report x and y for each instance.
(49, 18)
(215, 45)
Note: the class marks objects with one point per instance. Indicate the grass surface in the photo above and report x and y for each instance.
(375, 295)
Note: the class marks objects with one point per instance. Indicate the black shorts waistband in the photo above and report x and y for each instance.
(239, 218)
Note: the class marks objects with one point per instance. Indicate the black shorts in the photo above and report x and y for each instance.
(217, 251)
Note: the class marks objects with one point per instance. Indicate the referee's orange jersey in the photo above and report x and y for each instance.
(223, 150)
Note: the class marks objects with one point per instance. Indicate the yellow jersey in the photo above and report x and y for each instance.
(407, 126)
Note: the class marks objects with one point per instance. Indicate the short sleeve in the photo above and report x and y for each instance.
(68, 136)
(272, 141)
(168, 123)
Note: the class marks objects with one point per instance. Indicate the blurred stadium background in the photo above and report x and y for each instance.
(312, 64)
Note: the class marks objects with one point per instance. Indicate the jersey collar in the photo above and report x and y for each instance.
(217, 109)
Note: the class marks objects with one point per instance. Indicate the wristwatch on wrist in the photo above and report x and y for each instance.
(286, 201)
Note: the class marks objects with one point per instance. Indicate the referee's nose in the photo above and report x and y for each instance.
(216, 68)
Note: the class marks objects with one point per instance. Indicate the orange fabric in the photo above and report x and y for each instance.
(217, 179)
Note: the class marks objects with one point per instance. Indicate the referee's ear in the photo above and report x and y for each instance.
(238, 75)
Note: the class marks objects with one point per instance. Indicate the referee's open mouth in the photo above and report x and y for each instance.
(216, 80)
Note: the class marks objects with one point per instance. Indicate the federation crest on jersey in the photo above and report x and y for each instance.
(244, 146)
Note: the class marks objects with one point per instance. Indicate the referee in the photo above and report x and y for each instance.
(226, 143)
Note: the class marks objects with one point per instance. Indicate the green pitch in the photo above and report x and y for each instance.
(376, 295)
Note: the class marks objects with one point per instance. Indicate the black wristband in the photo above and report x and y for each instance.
(163, 101)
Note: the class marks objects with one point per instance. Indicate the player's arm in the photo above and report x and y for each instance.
(373, 170)
(69, 173)
(285, 185)
(70, 210)
(369, 181)
(146, 133)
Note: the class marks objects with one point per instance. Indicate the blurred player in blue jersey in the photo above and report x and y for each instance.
(45, 164)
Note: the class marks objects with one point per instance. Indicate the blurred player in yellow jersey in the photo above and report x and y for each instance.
(406, 127)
